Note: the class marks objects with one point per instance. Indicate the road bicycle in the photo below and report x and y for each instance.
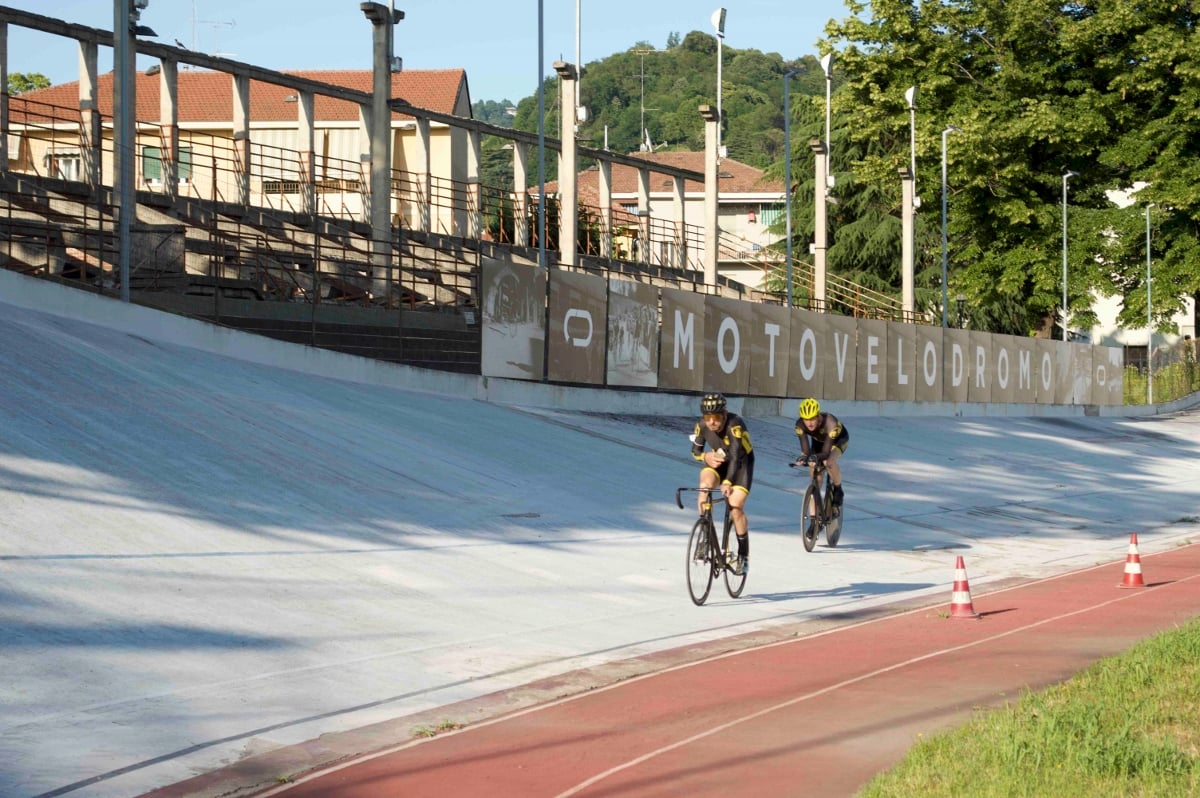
(708, 556)
(819, 512)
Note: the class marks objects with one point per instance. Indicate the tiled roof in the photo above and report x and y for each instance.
(207, 96)
(742, 178)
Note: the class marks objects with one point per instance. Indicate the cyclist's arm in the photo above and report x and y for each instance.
(802, 434)
(697, 443)
(739, 437)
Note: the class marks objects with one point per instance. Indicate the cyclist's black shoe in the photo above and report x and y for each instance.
(837, 495)
(742, 567)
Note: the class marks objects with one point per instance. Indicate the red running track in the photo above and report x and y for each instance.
(818, 715)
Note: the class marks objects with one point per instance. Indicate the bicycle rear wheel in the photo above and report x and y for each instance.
(699, 561)
(809, 526)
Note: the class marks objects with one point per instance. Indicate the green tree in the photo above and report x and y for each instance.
(1038, 87)
(21, 82)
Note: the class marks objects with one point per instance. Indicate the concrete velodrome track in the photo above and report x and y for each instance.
(221, 556)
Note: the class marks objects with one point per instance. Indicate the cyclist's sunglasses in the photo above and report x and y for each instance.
(714, 416)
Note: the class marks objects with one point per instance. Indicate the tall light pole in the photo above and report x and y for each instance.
(1149, 321)
(827, 66)
(1066, 176)
(718, 21)
(541, 95)
(910, 97)
(945, 299)
(787, 174)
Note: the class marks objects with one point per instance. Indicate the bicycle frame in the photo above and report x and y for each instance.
(818, 510)
(712, 556)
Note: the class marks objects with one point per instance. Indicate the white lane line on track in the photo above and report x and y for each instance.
(825, 690)
(722, 727)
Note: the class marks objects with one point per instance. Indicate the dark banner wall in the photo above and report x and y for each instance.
(622, 333)
(632, 334)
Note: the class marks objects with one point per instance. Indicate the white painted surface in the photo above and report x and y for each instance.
(203, 555)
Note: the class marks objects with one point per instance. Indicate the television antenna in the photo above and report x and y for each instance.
(642, 52)
(214, 24)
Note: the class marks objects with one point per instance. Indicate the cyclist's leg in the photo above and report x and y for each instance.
(737, 503)
(709, 478)
(835, 470)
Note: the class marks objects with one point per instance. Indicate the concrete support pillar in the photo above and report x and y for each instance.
(382, 20)
(907, 259)
(520, 195)
(712, 230)
(474, 186)
(168, 115)
(307, 138)
(679, 261)
(820, 240)
(241, 140)
(643, 212)
(606, 210)
(4, 96)
(91, 152)
(421, 174)
(568, 169)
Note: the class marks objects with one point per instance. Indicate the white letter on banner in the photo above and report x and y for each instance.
(901, 377)
(772, 331)
(980, 365)
(728, 364)
(808, 344)
(839, 353)
(1002, 368)
(931, 363)
(1047, 371)
(1024, 380)
(577, 313)
(684, 339)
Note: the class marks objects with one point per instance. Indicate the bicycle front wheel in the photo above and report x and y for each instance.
(734, 582)
(809, 527)
(833, 528)
(699, 561)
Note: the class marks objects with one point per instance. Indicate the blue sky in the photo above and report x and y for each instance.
(495, 42)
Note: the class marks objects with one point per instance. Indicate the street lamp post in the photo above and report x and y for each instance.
(827, 66)
(962, 310)
(945, 286)
(1149, 321)
(1066, 176)
(718, 21)
(910, 96)
(787, 175)
(541, 106)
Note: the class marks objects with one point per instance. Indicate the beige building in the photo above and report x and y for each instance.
(48, 137)
(748, 204)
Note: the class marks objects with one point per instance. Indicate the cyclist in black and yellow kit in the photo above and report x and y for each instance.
(822, 437)
(728, 463)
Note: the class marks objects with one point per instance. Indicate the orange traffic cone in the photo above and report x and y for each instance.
(960, 600)
(1133, 565)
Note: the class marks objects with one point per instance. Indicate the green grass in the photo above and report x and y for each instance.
(1128, 726)
(434, 731)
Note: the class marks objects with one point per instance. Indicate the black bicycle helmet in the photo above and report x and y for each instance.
(712, 403)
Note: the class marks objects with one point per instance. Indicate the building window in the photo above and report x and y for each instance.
(770, 214)
(62, 164)
(152, 167)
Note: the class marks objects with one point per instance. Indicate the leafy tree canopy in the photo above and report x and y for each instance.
(21, 82)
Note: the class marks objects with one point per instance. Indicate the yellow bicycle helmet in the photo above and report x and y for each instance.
(809, 408)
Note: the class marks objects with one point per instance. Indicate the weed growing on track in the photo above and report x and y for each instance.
(1127, 726)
